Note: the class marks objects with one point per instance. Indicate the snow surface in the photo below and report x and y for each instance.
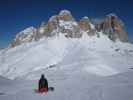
(27, 31)
(67, 24)
(89, 68)
(26, 35)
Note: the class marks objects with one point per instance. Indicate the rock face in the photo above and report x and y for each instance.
(113, 27)
(52, 23)
(85, 25)
(25, 36)
(40, 31)
(65, 15)
(48, 29)
(65, 23)
(62, 23)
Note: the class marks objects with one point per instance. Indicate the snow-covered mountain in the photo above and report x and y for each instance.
(97, 55)
(93, 62)
(90, 68)
(25, 36)
(65, 23)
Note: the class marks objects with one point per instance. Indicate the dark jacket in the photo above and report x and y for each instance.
(43, 83)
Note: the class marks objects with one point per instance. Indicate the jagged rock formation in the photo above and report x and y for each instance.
(85, 25)
(113, 27)
(65, 23)
(25, 36)
(65, 15)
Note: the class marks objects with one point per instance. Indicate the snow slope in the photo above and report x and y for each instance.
(77, 86)
(89, 68)
(98, 56)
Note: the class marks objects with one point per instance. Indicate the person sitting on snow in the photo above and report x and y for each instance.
(43, 84)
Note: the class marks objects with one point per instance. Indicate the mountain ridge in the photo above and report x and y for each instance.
(66, 24)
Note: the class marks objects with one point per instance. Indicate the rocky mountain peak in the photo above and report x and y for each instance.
(64, 23)
(112, 15)
(52, 23)
(84, 23)
(27, 31)
(113, 26)
(65, 15)
(53, 18)
(24, 36)
(64, 12)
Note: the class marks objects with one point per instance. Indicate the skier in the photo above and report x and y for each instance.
(43, 84)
